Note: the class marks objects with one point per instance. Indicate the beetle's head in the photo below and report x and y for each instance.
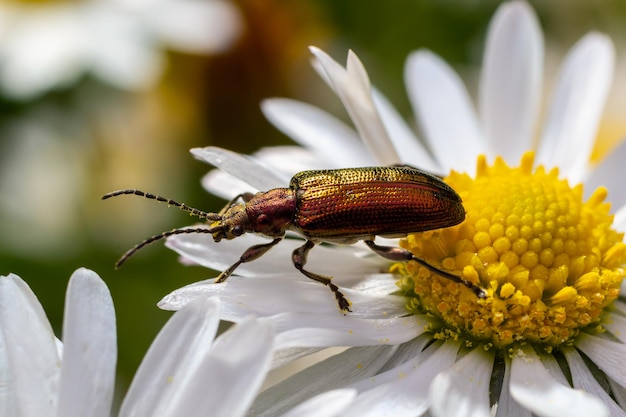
(234, 223)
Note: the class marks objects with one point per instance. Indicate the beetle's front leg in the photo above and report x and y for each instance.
(299, 260)
(400, 255)
(252, 253)
(244, 196)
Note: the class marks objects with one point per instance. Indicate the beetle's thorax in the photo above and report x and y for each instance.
(271, 213)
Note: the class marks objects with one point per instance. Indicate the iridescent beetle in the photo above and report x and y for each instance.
(338, 206)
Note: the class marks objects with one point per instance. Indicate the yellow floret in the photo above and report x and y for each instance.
(549, 261)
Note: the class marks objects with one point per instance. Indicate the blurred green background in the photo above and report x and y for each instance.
(67, 142)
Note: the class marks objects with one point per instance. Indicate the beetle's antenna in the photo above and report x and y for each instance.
(163, 235)
(193, 211)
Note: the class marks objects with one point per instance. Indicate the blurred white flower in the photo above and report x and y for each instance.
(44, 46)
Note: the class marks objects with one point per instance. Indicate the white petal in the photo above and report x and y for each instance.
(292, 159)
(403, 391)
(610, 174)
(31, 348)
(535, 389)
(266, 296)
(283, 357)
(196, 26)
(317, 130)
(619, 304)
(375, 284)
(405, 142)
(353, 88)
(616, 324)
(506, 406)
(356, 70)
(338, 371)
(328, 404)
(577, 105)
(510, 84)
(609, 356)
(226, 381)
(583, 379)
(305, 330)
(551, 364)
(463, 390)
(242, 167)
(285, 160)
(182, 343)
(90, 348)
(445, 112)
(8, 395)
(225, 185)
(618, 392)
(619, 222)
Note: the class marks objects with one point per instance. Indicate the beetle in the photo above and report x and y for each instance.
(334, 205)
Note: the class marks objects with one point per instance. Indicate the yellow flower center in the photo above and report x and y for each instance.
(549, 262)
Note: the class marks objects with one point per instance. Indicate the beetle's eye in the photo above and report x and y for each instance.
(237, 230)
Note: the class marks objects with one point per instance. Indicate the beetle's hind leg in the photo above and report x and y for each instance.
(299, 260)
(399, 255)
(252, 253)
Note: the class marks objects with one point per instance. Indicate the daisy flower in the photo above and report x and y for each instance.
(548, 339)
(186, 371)
(46, 46)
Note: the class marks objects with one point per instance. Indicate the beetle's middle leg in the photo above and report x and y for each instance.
(252, 253)
(400, 255)
(299, 260)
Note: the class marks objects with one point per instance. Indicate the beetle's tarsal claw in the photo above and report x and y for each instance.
(223, 276)
(344, 303)
(480, 293)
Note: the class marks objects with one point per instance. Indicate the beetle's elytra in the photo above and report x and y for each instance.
(338, 206)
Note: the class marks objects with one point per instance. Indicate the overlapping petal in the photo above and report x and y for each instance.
(353, 88)
(271, 295)
(186, 373)
(317, 130)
